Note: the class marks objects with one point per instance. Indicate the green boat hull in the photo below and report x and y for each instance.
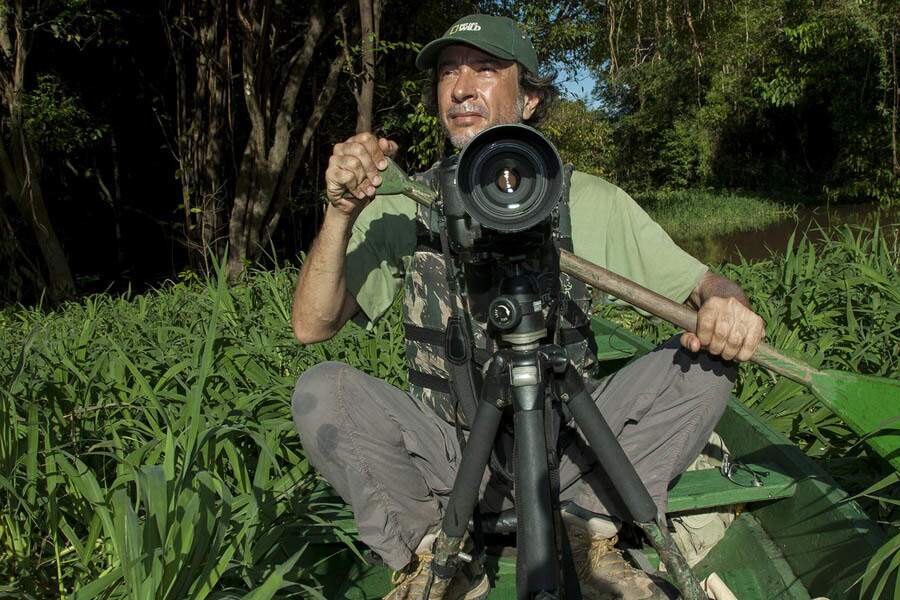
(799, 538)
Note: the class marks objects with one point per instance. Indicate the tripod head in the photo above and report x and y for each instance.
(516, 314)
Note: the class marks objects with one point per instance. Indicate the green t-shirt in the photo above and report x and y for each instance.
(608, 228)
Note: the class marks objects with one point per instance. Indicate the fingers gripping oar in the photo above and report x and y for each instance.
(865, 403)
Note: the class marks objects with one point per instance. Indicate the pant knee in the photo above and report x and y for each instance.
(314, 392)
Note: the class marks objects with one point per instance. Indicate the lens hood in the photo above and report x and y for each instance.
(510, 178)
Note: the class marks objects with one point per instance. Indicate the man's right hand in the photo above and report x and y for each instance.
(353, 172)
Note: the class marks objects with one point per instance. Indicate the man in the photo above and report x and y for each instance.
(389, 454)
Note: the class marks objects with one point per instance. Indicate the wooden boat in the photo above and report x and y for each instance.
(796, 537)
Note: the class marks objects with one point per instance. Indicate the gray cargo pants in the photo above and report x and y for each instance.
(394, 461)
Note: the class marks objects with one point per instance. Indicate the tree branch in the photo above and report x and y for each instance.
(613, 63)
(347, 59)
(296, 71)
(287, 179)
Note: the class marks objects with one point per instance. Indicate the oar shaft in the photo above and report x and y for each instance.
(627, 290)
(677, 314)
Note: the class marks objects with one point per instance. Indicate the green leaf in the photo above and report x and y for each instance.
(275, 580)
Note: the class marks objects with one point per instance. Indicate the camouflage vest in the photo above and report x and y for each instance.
(426, 308)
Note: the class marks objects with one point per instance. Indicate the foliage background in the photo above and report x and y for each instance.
(147, 427)
(791, 97)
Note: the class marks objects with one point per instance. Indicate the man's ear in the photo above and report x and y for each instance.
(531, 103)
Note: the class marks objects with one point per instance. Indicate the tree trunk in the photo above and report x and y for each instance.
(20, 164)
(322, 102)
(198, 38)
(267, 169)
(657, 41)
(695, 43)
(21, 178)
(639, 23)
(895, 164)
(16, 265)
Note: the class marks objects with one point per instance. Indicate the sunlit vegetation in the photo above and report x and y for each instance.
(141, 434)
(686, 214)
(147, 448)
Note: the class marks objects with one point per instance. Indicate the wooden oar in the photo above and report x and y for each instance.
(869, 405)
(866, 404)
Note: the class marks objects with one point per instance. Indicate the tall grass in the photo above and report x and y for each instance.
(147, 450)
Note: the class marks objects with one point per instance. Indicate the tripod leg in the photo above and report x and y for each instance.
(538, 572)
(629, 486)
(475, 457)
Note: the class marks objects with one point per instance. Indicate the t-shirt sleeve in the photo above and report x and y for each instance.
(383, 239)
(610, 229)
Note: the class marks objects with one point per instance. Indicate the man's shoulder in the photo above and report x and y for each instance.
(591, 191)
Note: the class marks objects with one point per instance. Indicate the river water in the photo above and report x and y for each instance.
(760, 243)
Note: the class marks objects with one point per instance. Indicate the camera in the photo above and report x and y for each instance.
(500, 192)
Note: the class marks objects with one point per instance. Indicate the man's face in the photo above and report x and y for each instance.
(476, 90)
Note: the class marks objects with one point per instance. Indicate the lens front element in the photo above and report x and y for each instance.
(508, 180)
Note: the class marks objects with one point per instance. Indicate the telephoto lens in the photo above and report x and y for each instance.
(510, 178)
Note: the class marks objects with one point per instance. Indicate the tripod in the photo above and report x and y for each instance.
(521, 375)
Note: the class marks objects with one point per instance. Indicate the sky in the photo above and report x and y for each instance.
(579, 85)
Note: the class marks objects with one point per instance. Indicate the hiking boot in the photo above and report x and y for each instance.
(469, 583)
(603, 572)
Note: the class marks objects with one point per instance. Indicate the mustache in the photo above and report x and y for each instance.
(466, 108)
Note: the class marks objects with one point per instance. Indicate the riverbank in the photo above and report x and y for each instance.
(726, 227)
(687, 214)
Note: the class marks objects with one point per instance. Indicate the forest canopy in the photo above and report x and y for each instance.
(151, 140)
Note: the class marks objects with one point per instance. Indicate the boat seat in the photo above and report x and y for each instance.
(705, 488)
(693, 490)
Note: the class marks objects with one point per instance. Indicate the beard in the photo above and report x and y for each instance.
(508, 117)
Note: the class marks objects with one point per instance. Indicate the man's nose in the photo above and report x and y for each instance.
(464, 87)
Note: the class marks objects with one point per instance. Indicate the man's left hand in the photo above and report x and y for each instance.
(727, 328)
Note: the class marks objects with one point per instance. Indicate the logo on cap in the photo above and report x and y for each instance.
(473, 26)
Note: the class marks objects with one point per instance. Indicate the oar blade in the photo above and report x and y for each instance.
(868, 405)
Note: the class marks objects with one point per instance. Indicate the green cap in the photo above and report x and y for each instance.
(498, 36)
